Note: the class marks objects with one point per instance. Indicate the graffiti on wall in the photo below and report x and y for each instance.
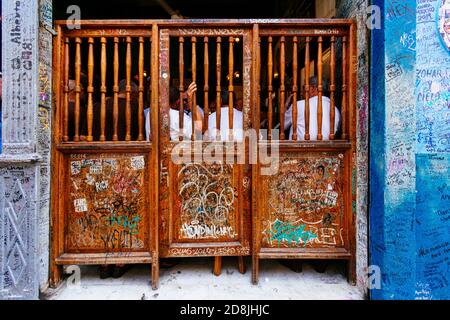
(357, 10)
(444, 22)
(412, 250)
(393, 146)
(432, 151)
(207, 201)
(433, 78)
(21, 67)
(305, 207)
(106, 208)
(433, 225)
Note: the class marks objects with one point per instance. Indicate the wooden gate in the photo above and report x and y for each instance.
(302, 206)
(128, 188)
(204, 204)
(105, 177)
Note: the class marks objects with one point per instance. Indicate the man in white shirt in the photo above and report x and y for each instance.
(174, 118)
(313, 127)
(238, 122)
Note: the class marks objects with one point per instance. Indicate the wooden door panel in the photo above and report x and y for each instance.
(206, 203)
(107, 206)
(304, 205)
(205, 208)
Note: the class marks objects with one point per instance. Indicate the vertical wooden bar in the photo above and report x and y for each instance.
(181, 87)
(217, 270)
(194, 79)
(294, 88)
(255, 169)
(307, 72)
(320, 88)
(230, 86)
(258, 83)
(90, 89)
(149, 92)
(76, 136)
(60, 81)
(241, 265)
(352, 85)
(103, 66)
(282, 85)
(116, 89)
(141, 90)
(66, 89)
(352, 88)
(344, 88)
(128, 90)
(270, 87)
(155, 163)
(218, 85)
(332, 85)
(206, 85)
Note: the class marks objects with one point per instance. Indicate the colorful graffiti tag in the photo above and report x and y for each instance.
(305, 203)
(106, 209)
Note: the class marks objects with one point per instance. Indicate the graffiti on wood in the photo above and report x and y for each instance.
(304, 205)
(207, 201)
(106, 209)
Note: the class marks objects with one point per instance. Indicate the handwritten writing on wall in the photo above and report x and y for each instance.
(305, 202)
(357, 10)
(392, 231)
(207, 202)
(413, 249)
(106, 206)
(20, 75)
(432, 151)
(433, 225)
(432, 79)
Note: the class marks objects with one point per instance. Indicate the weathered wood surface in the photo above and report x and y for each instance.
(304, 206)
(106, 206)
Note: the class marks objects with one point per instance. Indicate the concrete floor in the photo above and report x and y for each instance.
(193, 279)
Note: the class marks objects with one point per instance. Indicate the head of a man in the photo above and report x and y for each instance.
(314, 86)
(225, 99)
(174, 98)
(239, 104)
(134, 90)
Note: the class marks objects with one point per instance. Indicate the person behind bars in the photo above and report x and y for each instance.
(237, 133)
(313, 105)
(174, 114)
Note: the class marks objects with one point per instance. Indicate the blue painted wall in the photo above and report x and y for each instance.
(410, 145)
(432, 154)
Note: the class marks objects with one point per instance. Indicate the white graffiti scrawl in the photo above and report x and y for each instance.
(207, 201)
